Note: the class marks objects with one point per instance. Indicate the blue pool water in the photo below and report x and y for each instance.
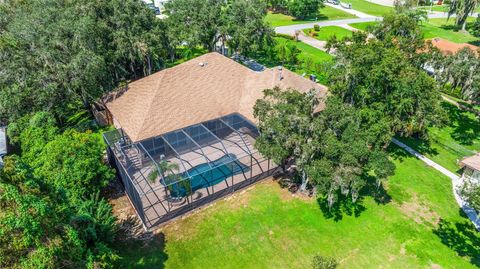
(204, 176)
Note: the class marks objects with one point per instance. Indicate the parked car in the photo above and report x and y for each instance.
(346, 5)
(335, 2)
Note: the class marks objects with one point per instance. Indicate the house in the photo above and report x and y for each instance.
(471, 168)
(158, 6)
(185, 135)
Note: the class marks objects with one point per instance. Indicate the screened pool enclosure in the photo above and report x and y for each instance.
(170, 174)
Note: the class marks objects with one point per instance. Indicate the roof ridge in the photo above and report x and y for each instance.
(151, 101)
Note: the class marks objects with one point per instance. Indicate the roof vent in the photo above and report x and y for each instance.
(202, 64)
(280, 69)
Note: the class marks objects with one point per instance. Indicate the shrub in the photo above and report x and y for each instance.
(320, 262)
(474, 27)
(316, 27)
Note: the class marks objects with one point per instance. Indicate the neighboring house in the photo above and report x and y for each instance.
(158, 6)
(185, 135)
(3, 144)
(449, 47)
(471, 168)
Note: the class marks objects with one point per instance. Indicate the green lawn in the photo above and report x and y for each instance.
(326, 13)
(328, 32)
(434, 28)
(363, 25)
(307, 52)
(417, 226)
(442, 8)
(369, 8)
(444, 29)
(459, 138)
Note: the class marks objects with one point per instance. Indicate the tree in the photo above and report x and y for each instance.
(205, 22)
(287, 53)
(387, 85)
(302, 9)
(164, 167)
(39, 228)
(471, 193)
(70, 161)
(277, 5)
(281, 114)
(91, 46)
(195, 22)
(475, 27)
(320, 262)
(462, 9)
(333, 150)
(51, 213)
(344, 149)
(402, 28)
(460, 71)
(245, 26)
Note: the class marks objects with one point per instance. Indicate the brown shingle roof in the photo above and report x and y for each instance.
(190, 93)
(446, 46)
(472, 162)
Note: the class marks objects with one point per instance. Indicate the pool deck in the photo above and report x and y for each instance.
(157, 202)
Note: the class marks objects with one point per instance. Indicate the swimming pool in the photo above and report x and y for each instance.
(205, 176)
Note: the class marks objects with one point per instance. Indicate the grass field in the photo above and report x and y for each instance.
(444, 29)
(442, 8)
(307, 51)
(417, 226)
(326, 13)
(434, 28)
(328, 32)
(370, 8)
(459, 138)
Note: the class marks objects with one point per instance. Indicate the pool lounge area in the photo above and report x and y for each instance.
(168, 175)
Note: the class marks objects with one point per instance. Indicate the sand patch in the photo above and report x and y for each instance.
(419, 212)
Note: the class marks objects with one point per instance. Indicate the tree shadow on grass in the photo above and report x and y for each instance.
(466, 129)
(423, 146)
(450, 27)
(376, 191)
(462, 237)
(346, 206)
(475, 43)
(142, 253)
(138, 248)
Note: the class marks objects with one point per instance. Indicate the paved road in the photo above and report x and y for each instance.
(351, 11)
(456, 183)
(290, 29)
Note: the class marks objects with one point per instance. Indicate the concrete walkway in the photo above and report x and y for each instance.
(319, 44)
(348, 27)
(456, 182)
